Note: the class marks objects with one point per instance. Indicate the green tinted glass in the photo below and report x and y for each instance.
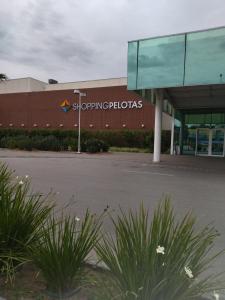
(205, 57)
(194, 119)
(187, 59)
(218, 118)
(189, 141)
(161, 62)
(205, 119)
(132, 65)
(199, 119)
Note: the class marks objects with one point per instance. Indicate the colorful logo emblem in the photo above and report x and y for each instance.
(65, 105)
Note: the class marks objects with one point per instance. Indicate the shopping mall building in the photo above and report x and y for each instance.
(188, 71)
(174, 82)
(108, 105)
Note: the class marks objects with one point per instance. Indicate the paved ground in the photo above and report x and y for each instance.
(95, 181)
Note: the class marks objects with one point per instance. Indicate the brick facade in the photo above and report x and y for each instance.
(24, 110)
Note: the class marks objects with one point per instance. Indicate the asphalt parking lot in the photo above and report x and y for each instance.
(122, 179)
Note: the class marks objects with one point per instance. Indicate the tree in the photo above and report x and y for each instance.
(3, 77)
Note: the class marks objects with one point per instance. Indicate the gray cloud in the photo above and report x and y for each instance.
(3, 34)
(150, 62)
(79, 40)
(69, 48)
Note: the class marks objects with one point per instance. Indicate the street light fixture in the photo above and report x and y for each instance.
(79, 111)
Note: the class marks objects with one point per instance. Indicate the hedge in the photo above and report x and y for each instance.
(57, 140)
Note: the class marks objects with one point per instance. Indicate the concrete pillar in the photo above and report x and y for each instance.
(210, 142)
(158, 126)
(182, 128)
(172, 133)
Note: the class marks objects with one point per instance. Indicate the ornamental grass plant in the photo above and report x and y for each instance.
(22, 215)
(161, 259)
(62, 252)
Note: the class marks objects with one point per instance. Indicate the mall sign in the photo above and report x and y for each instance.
(132, 104)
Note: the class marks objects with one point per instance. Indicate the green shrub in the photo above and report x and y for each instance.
(49, 142)
(69, 143)
(40, 132)
(113, 138)
(104, 146)
(37, 142)
(62, 251)
(149, 141)
(95, 145)
(21, 142)
(12, 142)
(8, 142)
(130, 150)
(13, 132)
(22, 214)
(163, 259)
(25, 143)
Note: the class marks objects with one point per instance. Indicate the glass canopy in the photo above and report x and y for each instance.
(196, 58)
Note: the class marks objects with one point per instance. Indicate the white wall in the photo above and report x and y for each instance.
(166, 122)
(29, 84)
(87, 84)
(36, 85)
(14, 86)
(21, 85)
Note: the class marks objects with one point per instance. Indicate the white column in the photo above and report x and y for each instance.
(172, 132)
(196, 143)
(158, 126)
(210, 142)
(79, 111)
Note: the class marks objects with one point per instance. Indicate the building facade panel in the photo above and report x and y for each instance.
(21, 85)
(103, 108)
(87, 84)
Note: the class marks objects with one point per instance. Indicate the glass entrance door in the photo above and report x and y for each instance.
(202, 141)
(217, 142)
(210, 142)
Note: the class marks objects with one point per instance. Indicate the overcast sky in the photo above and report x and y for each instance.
(71, 40)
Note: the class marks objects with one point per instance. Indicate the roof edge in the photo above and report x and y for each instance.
(175, 34)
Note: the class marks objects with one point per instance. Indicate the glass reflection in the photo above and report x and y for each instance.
(205, 57)
(161, 62)
(217, 142)
(132, 66)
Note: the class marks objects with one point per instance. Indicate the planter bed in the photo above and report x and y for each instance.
(29, 285)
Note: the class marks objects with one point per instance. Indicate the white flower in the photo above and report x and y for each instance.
(77, 219)
(17, 177)
(163, 264)
(160, 250)
(26, 176)
(21, 182)
(216, 295)
(188, 272)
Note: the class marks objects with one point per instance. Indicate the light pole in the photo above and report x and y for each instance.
(79, 111)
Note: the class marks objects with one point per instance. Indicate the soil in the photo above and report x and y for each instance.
(28, 285)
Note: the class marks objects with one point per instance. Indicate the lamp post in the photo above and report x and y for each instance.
(79, 111)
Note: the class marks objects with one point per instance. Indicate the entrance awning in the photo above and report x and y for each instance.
(202, 98)
(186, 69)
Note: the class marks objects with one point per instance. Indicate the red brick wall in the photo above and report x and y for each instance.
(43, 108)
